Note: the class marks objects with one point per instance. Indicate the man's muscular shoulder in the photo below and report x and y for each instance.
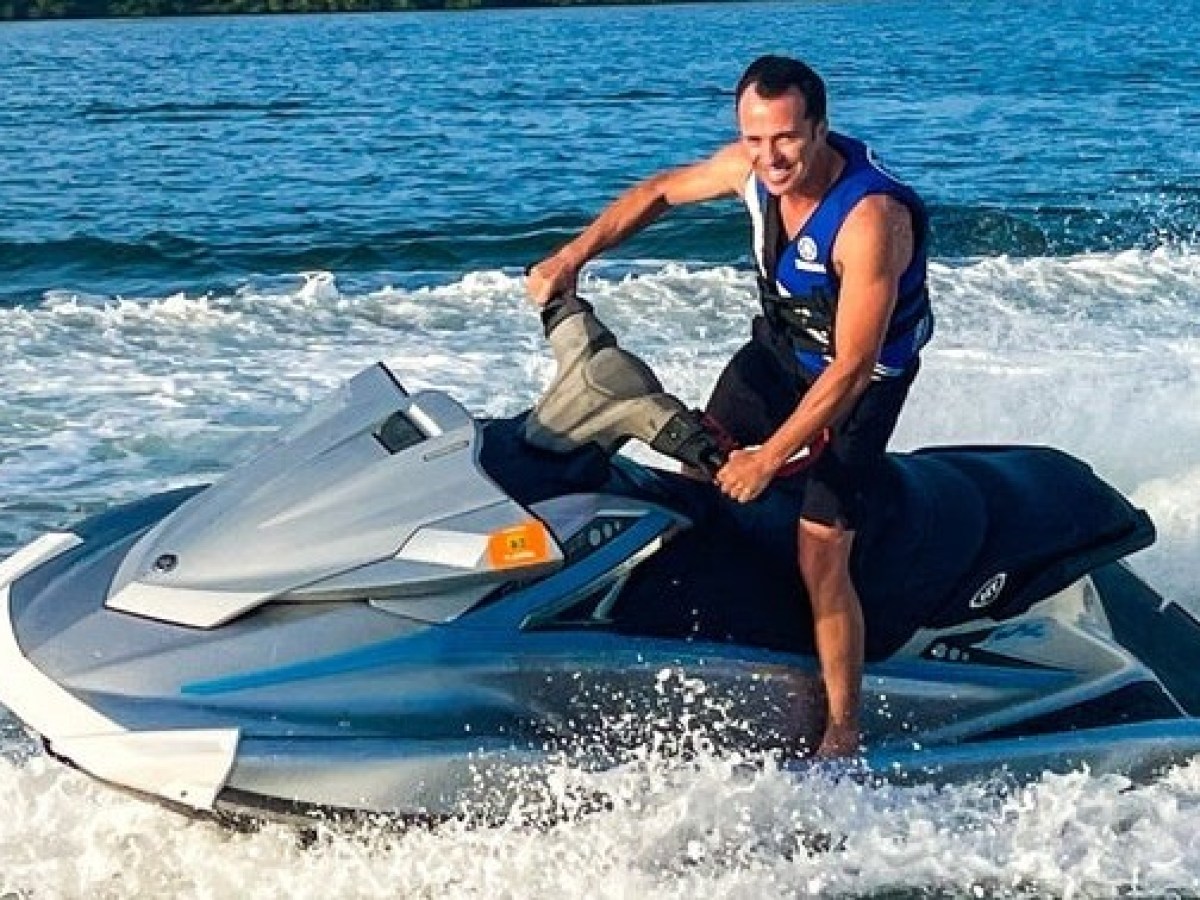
(732, 164)
(879, 227)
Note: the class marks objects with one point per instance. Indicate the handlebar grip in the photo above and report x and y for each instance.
(685, 439)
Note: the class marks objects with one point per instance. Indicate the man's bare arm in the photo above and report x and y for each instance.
(722, 174)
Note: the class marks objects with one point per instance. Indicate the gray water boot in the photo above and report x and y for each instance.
(604, 395)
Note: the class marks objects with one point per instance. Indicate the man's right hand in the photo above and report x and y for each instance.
(553, 276)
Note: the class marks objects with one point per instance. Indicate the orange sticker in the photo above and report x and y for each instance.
(519, 545)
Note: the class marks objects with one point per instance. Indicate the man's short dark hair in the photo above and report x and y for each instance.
(773, 76)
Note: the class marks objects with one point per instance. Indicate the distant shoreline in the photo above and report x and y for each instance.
(42, 10)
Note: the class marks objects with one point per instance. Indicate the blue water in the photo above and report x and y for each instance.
(396, 148)
(205, 224)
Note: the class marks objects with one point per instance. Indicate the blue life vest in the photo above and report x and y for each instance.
(798, 283)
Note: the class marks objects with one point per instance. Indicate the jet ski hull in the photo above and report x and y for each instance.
(356, 710)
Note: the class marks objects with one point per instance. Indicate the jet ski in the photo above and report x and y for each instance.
(396, 607)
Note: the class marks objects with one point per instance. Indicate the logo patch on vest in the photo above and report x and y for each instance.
(988, 594)
(806, 249)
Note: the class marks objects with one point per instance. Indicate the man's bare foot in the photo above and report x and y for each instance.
(839, 742)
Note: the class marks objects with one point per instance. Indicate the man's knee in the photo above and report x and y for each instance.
(823, 553)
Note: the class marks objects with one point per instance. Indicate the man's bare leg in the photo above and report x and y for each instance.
(824, 555)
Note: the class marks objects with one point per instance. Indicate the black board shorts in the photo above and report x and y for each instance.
(761, 386)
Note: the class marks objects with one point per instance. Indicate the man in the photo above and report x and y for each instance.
(840, 246)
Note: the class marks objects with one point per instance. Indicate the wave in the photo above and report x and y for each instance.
(161, 262)
(638, 95)
(1108, 298)
(709, 827)
(189, 111)
(975, 231)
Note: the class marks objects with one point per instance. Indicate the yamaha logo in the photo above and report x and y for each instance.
(806, 249)
(987, 595)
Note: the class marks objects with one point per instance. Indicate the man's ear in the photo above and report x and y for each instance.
(822, 129)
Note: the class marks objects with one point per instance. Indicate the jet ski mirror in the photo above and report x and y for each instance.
(602, 394)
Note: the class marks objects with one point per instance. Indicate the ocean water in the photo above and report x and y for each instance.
(207, 224)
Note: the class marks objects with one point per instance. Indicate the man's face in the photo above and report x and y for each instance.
(781, 142)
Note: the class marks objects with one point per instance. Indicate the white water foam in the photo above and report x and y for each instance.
(106, 399)
(709, 827)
